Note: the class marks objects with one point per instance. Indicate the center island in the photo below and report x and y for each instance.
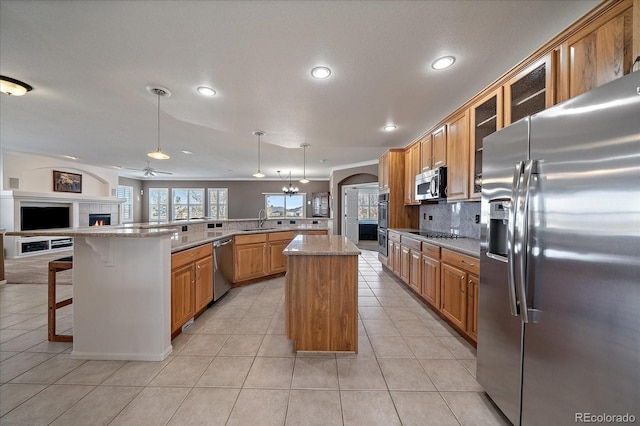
(321, 293)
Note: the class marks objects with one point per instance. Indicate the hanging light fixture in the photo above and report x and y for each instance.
(161, 92)
(259, 174)
(13, 87)
(288, 190)
(304, 176)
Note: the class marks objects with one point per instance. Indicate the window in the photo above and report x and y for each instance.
(187, 203)
(367, 206)
(218, 203)
(284, 206)
(158, 204)
(126, 192)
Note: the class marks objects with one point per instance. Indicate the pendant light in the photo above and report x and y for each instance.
(161, 92)
(258, 174)
(304, 176)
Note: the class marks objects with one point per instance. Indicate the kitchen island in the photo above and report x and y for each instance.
(321, 293)
(121, 292)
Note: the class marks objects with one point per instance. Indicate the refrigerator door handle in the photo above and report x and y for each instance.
(511, 238)
(522, 239)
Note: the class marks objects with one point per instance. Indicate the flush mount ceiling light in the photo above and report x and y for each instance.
(160, 92)
(288, 190)
(11, 86)
(206, 91)
(390, 127)
(258, 174)
(320, 72)
(184, 151)
(442, 63)
(304, 162)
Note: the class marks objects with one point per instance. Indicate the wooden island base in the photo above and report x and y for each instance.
(321, 294)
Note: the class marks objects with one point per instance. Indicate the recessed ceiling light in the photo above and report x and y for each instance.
(117, 167)
(389, 127)
(207, 91)
(186, 152)
(70, 157)
(442, 63)
(321, 72)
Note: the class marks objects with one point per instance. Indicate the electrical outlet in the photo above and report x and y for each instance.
(184, 228)
(211, 225)
(218, 225)
(315, 222)
(424, 216)
(477, 218)
(279, 222)
(292, 222)
(430, 217)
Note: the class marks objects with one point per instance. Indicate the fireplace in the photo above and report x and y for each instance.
(99, 219)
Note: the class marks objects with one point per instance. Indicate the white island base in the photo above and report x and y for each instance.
(122, 298)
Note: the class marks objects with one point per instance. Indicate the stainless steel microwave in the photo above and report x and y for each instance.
(432, 184)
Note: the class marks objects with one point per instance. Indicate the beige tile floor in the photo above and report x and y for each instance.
(234, 366)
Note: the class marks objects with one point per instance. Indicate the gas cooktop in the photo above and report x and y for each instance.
(434, 234)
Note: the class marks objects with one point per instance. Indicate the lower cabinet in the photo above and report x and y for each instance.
(278, 241)
(453, 295)
(191, 284)
(472, 306)
(430, 274)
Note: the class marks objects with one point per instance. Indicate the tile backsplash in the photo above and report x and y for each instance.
(456, 218)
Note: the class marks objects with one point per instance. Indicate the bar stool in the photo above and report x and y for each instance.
(56, 266)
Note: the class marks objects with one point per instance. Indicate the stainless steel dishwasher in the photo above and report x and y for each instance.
(221, 257)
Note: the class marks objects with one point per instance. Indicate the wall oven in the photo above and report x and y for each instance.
(432, 184)
(383, 223)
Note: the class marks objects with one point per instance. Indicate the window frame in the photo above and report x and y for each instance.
(285, 196)
(209, 203)
(129, 203)
(370, 206)
(151, 219)
(188, 203)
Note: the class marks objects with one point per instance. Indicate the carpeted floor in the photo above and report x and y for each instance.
(35, 269)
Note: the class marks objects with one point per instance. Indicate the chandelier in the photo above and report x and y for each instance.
(288, 190)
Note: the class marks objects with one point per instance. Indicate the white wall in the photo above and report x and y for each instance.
(35, 174)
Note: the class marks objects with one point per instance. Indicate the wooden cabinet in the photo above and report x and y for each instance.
(191, 284)
(415, 270)
(410, 262)
(426, 153)
(598, 53)
(529, 91)
(472, 306)
(278, 241)
(439, 141)
(320, 204)
(412, 166)
(485, 118)
(405, 256)
(383, 172)
(459, 291)
(250, 257)
(430, 274)
(458, 157)
(395, 258)
(453, 295)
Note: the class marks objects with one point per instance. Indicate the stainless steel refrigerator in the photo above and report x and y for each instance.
(559, 314)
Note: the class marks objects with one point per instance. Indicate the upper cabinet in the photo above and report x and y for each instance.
(426, 153)
(598, 53)
(383, 172)
(529, 91)
(320, 203)
(486, 118)
(412, 166)
(439, 140)
(458, 157)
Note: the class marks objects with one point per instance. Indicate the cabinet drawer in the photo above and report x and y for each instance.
(319, 232)
(431, 250)
(394, 236)
(281, 236)
(468, 263)
(410, 242)
(250, 238)
(186, 256)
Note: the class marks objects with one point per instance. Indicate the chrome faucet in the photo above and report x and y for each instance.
(262, 216)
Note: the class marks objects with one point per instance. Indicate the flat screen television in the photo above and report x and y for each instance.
(32, 218)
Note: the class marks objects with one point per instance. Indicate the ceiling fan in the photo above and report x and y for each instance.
(150, 171)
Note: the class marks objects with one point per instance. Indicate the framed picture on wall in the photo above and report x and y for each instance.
(67, 182)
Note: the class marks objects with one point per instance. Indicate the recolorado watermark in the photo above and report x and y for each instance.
(604, 418)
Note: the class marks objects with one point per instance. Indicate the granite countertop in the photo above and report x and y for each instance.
(321, 245)
(188, 240)
(96, 231)
(468, 246)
